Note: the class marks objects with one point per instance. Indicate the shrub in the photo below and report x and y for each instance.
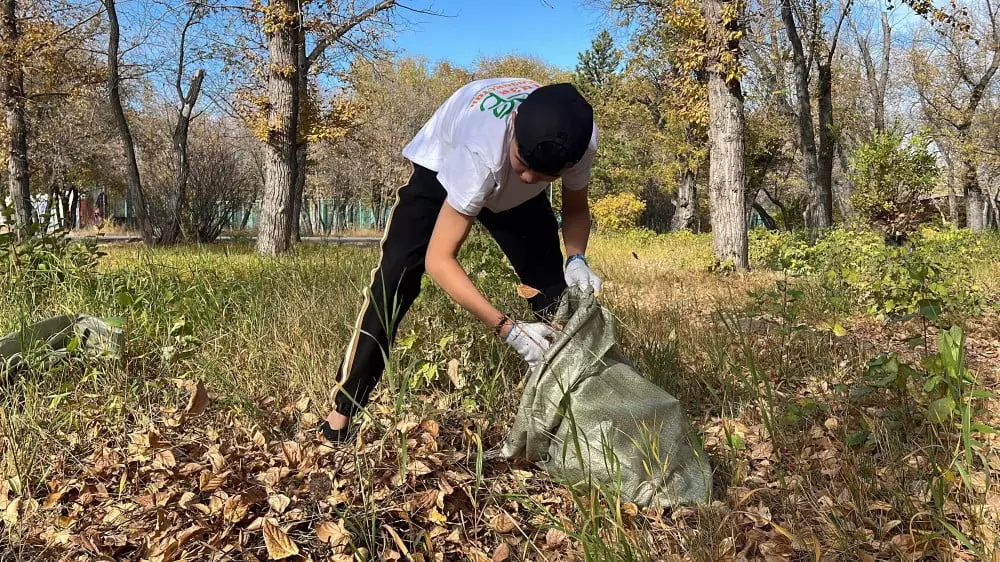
(857, 269)
(37, 262)
(891, 174)
(618, 213)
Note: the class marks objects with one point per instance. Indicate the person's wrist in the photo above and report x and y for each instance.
(576, 257)
(507, 328)
(503, 327)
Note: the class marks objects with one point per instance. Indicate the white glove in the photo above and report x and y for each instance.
(530, 339)
(579, 274)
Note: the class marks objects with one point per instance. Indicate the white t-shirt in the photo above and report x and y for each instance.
(467, 142)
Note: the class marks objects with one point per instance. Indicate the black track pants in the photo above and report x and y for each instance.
(528, 235)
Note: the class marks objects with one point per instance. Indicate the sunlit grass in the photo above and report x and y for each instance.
(768, 388)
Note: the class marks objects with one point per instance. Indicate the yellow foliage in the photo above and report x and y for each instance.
(618, 213)
(330, 121)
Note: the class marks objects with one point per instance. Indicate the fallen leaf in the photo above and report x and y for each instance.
(216, 459)
(187, 534)
(210, 482)
(235, 509)
(259, 439)
(53, 499)
(526, 292)
(186, 498)
(502, 553)
(303, 404)
(333, 534)
(454, 375)
(431, 426)
(905, 546)
(503, 523)
(292, 453)
(278, 543)
(166, 458)
(435, 516)
(279, 503)
(554, 538)
(191, 468)
(762, 451)
(12, 513)
(199, 399)
(422, 500)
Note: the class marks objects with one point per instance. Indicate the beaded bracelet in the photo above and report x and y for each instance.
(499, 326)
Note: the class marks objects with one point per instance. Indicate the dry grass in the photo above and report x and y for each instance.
(806, 467)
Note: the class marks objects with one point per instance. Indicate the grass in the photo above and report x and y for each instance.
(812, 462)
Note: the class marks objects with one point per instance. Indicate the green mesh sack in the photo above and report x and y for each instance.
(57, 337)
(588, 418)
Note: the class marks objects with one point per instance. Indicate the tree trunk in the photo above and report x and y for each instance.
(12, 75)
(974, 203)
(71, 201)
(303, 63)
(827, 146)
(727, 142)
(274, 230)
(182, 164)
(299, 193)
(883, 81)
(246, 218)
(807, 137)
(133, 181)
(686, 202)
(842, 196)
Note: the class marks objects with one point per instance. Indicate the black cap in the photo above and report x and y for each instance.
(553, 128)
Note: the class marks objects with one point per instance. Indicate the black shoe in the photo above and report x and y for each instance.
(338, 436)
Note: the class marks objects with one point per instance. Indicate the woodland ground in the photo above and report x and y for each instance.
(201, 444)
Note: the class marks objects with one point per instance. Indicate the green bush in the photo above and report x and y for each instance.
(858, 270)
(890, 174)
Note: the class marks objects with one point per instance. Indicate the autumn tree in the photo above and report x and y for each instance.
(669, 47)
(69, 117)
(286, 43)
(626, 160)
(391, 100)
(953, 74)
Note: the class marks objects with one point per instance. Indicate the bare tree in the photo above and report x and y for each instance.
(817, 162)
(185, 112)
(133, 180)
(877, 75)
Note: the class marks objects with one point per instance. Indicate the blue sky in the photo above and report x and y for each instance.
(553, 30)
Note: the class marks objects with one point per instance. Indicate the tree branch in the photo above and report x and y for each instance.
(845, 10)
(344, 27)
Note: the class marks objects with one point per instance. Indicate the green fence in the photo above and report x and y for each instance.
(322, 217)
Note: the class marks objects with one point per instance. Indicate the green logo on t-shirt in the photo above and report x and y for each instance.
(501, 107)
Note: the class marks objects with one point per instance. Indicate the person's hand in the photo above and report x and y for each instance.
(530, 339)
(579, 274)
